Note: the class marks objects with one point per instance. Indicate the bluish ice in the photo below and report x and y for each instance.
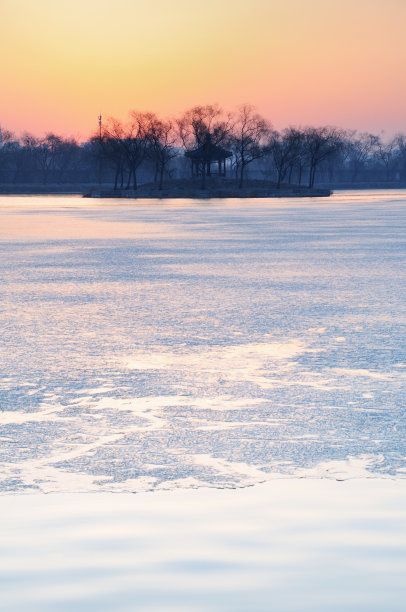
(157, 345)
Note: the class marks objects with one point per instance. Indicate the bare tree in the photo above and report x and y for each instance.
(249, 138)
(7, 144)
(162, 140)
(385, 154)
(400, 140)
(286, 152)
(108, 145)
(126, 145)
(319, 144)
(200, 121)
(359, 149)
(6, 137)
(135, 145)
(46, 154)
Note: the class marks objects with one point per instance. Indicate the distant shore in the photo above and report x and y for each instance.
(189, 189)
(172, 190)
(11, 189)
(212, 189)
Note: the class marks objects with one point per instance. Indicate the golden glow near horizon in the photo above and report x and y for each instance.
(300, 61)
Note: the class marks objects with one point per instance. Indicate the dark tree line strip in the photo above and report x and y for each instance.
(148, 148)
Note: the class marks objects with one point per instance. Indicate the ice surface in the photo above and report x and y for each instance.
(288, 545)
(155, 345)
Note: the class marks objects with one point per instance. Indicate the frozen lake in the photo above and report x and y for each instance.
(157, 345)
(207, 345)
(292, 545)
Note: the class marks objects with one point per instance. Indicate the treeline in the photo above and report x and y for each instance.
(148, 148)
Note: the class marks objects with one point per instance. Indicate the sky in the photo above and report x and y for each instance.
(300, 62)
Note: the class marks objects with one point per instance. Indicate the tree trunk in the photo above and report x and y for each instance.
(161, 177)
(312, 171)
(241, 176)
(279, 179)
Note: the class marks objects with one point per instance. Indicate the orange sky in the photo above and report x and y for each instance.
(338, 62)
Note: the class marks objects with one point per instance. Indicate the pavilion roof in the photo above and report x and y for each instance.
(208, 151)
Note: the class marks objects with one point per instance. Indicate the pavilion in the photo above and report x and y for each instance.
(207, 154)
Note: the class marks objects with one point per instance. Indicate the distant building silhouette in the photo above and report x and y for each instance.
(207, 154)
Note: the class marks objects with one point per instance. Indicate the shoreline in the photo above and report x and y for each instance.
(148, 191)
(189, 190)
(253, 190)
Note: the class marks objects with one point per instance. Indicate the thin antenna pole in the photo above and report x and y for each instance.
(100, 126)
